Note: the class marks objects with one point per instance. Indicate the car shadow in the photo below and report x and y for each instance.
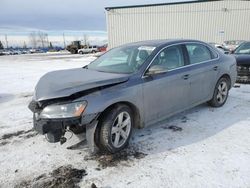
(189, 127)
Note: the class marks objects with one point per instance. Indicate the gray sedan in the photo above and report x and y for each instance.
(131, 86)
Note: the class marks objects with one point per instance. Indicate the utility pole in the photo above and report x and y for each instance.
(6, 41)
(47, 39)
(24, 45)
(85, 40)
(64, 41)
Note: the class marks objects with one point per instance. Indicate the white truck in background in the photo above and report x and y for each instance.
(90, 49)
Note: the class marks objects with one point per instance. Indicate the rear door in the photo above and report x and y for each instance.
(166, 93)
(204, 70)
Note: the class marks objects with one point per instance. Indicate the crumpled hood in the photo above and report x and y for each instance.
(242, 59)
(64, 83)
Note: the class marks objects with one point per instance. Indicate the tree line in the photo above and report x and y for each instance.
(37, 39)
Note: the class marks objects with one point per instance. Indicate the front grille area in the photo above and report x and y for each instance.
(243, 74)
(243, 70)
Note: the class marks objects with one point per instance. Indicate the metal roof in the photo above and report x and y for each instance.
(159, 4)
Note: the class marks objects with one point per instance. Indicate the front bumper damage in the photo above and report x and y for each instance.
(55, 129)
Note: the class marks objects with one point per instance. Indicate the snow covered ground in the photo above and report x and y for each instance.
(209, 147)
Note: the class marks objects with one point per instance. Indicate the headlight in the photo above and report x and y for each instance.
(68, 110)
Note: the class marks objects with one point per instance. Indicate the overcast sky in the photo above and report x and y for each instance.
(60, 14)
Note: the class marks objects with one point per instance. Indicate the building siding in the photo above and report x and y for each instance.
(214, 21)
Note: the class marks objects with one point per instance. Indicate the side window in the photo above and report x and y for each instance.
(198, 53)
(170, 58)
(214, 54)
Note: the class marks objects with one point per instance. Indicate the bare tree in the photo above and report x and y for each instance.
(33, 39)
(43, 38)
(24, 45)
(6, 41)
(64, 43)
(1, 45)
(50, 45)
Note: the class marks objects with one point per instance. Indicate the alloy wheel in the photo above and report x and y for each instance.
(121, 129)
(222, 92)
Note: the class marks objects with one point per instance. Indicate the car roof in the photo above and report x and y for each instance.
(158, 43)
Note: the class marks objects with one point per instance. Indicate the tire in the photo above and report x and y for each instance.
(115, 128)
(220, 93)
(93, 52)
(72, 51)
(80, 52)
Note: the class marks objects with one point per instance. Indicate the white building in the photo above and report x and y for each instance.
(210, 21)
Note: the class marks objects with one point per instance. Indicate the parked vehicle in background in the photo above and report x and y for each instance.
(35, 50)
(10, 52)
(242, 55)
(220, 47)
(16, 52)
(74, 47)
(32, 50)
(25, 52)
(131, 86)
(103, 48)
(19, 51)
(7, 52)
(88, 49)
(232, 44)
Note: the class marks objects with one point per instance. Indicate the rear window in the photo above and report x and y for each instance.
(198, 53)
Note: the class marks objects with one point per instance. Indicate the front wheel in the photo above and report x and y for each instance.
(115, 129)
(73, 51)
(220, 93)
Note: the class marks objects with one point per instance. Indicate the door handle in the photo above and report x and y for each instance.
(215, 68)
(185, 77)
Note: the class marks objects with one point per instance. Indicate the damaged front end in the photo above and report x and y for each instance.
(54, 119)
(60, 102)
(243, 73)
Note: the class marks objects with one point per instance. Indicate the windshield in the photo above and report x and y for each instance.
(243, 49)
(125, 60)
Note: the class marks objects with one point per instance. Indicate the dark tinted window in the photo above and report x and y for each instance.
(198, 53)
(170, 58)
(243, 49)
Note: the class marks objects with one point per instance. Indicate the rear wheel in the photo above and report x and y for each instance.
(115, 129)
(220, 93)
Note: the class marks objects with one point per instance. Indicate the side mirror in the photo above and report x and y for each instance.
(156, 69)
